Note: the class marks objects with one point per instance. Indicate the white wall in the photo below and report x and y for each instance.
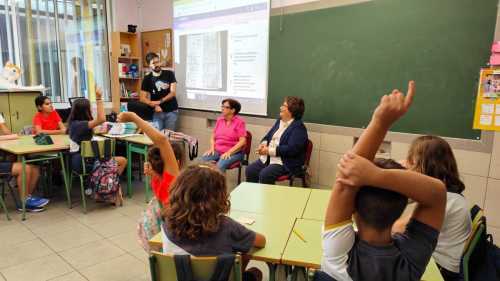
(125, 12)
(155, 14)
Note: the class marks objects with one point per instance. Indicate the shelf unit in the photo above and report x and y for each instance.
(132, 84)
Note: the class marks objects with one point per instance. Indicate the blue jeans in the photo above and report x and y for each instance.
(166, 120)
(223, 164)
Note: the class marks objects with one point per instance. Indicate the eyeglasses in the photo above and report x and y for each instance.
(225, 106)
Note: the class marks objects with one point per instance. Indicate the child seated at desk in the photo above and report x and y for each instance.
(164, 158)
(47, 120)
(376, 198)
(196, 221)
(164, 161)
(33, 204)
(80, 128)
(433, 156)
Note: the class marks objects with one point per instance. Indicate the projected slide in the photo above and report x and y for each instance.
(221, 51)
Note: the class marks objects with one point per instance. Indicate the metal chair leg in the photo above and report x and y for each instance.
(82, 189)
(2, 202)
(239, 175)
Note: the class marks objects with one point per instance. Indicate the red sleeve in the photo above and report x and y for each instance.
(56, 117)
(162, 193)
(37, 120)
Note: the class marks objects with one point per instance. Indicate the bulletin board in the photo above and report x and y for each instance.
(487, 112)
(159, 42)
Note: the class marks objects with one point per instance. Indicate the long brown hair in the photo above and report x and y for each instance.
(198, 199)
(433, 156)
(154, 157)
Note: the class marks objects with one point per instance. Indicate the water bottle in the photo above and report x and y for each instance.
(123, 107)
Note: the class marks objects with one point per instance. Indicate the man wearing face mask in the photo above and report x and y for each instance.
(158, 92)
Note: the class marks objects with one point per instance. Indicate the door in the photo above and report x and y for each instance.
(4, 108)
(22, 109)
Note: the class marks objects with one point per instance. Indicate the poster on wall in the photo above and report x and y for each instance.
(159, 42)
(487, 113)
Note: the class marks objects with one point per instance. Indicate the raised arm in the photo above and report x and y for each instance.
(428, 192)
(101, 115)
(341, 205)
(166, 151)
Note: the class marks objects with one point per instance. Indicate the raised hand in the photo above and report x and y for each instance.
(148, 170)
(394, 105)
(98, 93)
(354, 170)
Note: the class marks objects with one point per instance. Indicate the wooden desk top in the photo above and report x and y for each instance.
(269, 199)
(316, 205)
(27, 145)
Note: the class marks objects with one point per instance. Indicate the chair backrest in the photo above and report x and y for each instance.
(476, 222)
(72, 99)
(309, 150)
(162, 267)
(248, 145)
(470, 250)
(87, 152)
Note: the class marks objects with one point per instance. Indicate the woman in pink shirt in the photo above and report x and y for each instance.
(228, 138)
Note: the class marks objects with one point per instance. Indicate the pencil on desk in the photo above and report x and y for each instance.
(299, 235)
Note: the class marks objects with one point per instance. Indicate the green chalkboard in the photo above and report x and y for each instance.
(341, 60)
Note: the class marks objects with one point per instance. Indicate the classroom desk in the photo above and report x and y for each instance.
(269, 199)
(316, 205)
(25, 146)
(308, 254)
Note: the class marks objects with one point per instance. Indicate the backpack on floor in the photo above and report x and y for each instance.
(104, 178)
(483, 255)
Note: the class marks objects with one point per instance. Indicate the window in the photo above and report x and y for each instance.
(61, 44)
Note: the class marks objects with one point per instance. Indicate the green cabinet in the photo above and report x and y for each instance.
(18, 108)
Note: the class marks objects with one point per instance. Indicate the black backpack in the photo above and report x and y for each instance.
(481, 260)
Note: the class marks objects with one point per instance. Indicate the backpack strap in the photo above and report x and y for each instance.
(95, 149)
(193, 150)
(183, 267)
(223, 267)
(107, 149)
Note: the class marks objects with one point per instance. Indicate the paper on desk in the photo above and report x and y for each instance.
(245, 220)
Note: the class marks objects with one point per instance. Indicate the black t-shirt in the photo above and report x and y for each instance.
(79, 131)
(159, 86)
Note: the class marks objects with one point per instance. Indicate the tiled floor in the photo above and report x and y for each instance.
(65, 244)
